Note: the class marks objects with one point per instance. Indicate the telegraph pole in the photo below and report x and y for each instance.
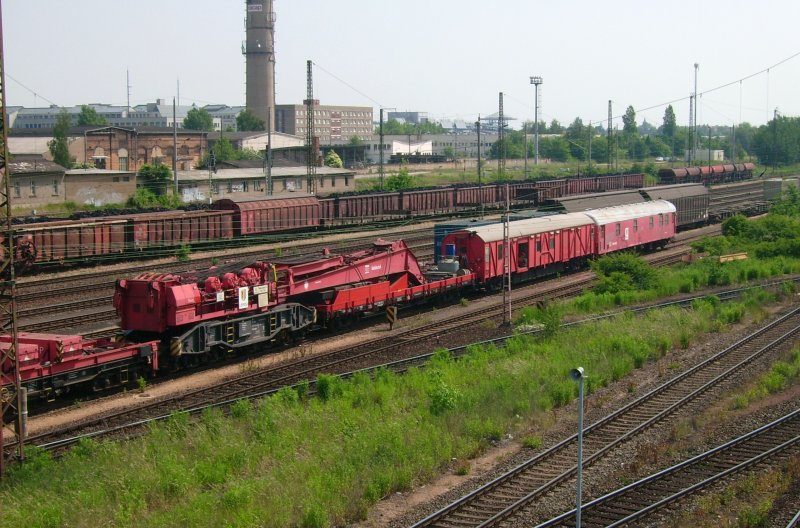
(536, 81)
(480, 181)
(380, 150)
(13, 402)
(507, 261)
(608, 133)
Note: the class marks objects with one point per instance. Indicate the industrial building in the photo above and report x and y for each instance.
(332, 124)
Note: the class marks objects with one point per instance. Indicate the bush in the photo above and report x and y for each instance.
(623, 271)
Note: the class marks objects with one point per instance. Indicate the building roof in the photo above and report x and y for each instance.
(100, 172)
(33, 164)
(494, 232)
(620, 213)
(258, 173)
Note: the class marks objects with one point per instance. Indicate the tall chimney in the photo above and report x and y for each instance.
(259, 51)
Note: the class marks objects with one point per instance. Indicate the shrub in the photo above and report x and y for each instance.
(183, 252)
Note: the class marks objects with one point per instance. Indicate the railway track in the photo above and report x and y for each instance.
(510, 494)
(269, 380)
(666, 488)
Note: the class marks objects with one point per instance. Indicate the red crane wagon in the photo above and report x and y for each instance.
(204, 314)
(50, 364)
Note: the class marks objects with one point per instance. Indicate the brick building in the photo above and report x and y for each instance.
(127, 149)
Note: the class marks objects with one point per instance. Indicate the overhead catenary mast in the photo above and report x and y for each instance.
(311, 154)
(13, 403)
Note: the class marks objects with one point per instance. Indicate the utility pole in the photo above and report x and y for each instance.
(480, 181)
(268, 157)
(507, 262)
(501, 151)
(13, 403)
(696, 104)
(591, 133)
(608, 133)
(536, 81)
(311, 155)
(174, 147)
(380, 150)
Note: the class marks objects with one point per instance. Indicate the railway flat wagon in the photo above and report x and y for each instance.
(63, 240)
(690, 199)
(648, 224)
(175, 228)
(259, 216)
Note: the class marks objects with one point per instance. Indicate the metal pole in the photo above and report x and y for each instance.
(591, 133)
(268, 159)
(507, 259)
(480, 182)
(525, 135)
(174, 147)
(696, 104)
(577, 375)
(536, 81)
(380, 149)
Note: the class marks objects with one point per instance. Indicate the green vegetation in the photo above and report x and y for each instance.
(183, 253)
(332, 159)
(393, 126)
(321, 461)
(399, 181)
(779, 377)
(59, 145)
(246, 120)
(198, 119)
(89, 116)
(155, 178)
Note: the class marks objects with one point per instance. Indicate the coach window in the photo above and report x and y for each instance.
(635, 225)
(617, 229)
(538, 246)
(666, 219)
(552, 243)
(499, 251)
(522, 255)
(652, 222)
(660, 219)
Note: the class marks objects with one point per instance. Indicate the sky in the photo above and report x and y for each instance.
(449, 58)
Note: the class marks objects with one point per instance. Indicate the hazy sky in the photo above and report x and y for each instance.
(449, 58)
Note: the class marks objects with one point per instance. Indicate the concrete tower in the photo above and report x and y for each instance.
(259, 51)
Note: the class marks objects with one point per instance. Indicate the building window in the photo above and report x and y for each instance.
(33, 188)
(115, 179)
(17, 190)
(230, 187)
(123, 164)
(215, 188)
(245, 186)
(55, 186)
(346, 180)
(333, 181)
(126, 178)
(321, 182)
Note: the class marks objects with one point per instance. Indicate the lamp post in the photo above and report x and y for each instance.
(577, 375)
(536, 81)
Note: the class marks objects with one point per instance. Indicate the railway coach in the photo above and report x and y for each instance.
(552, 244)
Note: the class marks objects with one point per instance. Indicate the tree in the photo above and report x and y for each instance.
(401, 180)
(89, 116)
(155, 178)
(198, 119)
(332, 159)
(223, 150)
(246, 120)
(629, 121)
(355, 141)
(59, 145)
(557, 148)
(668, 128)
(554, 128)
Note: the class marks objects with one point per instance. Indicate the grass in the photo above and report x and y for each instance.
(293, 461)
(746, 503)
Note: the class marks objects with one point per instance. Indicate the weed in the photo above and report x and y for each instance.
(183, 252)
(464, 302)
(532, 441)
(463, 468)
(141, 383)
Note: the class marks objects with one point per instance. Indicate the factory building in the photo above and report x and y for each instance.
(332, 124)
